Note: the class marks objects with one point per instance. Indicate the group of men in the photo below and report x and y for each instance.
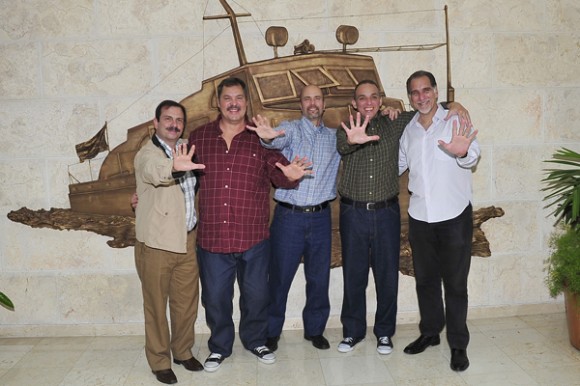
(237, 161)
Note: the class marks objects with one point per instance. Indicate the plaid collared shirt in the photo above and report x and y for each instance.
(371, 171)
(234, 192)
(187, 183)
(318, 144)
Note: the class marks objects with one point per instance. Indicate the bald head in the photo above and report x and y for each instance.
(312, 103)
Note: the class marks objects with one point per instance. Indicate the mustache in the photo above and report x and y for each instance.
(237, 107)
(173, 128)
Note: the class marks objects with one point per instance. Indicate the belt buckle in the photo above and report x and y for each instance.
(370, 206)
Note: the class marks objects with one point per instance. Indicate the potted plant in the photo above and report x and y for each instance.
(6, 302)
(563, 265)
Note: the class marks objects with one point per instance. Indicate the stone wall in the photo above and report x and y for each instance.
(68, 66)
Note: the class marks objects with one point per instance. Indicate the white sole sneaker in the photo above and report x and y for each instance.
(213, 362)
(348, 344)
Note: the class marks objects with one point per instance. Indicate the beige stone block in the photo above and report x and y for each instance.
(395, 67)
(518, 278)
(537, 60)
(124, 113)
(482, 181)
(19, 71)
(479, 281)
(106, 67)
(43, 249)
(34, 298)
(407, 297)
(504, 15)
(33, 19)
(518, 230)
(563, 15)
(23, 183)
(518, 171)
(151, 17)
(46, 128)
(471, 60)
(562, 116)
(123, 260)
(504, 116)
(100, 298)
(178, 60)
(387, 15)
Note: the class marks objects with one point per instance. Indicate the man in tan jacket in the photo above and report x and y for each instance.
(165, 248)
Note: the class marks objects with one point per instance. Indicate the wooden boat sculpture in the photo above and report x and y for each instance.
(103, 205)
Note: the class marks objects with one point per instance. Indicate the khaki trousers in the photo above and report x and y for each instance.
(174, 277)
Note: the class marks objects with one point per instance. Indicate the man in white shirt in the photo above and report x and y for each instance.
(439, 155)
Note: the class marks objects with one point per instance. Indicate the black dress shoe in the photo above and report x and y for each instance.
(459, 360)
(318, 341)
(421, 344)
(272, 343)
(165, 376)
(191, 364)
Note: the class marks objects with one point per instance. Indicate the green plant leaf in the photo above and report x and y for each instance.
(6, 302)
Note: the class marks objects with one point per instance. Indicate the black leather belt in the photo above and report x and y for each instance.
(305, 209)
(370, 205)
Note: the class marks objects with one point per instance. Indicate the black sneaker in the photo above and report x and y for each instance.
(348, 344)
(264, 354)
(213, 362)
(272, 343)
(384, 345)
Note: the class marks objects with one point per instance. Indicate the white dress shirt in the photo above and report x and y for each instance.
(439, 182)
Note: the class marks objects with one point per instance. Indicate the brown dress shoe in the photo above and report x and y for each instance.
(165, 376)
(190, 364)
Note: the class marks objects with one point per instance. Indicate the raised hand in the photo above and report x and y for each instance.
(134, 200)
(456, 108)
(295, 170)
(356, 134)
(392, 112)
(182, 159)
(263, 129)
(461, 139)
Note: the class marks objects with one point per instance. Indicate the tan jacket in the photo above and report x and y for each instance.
(160, 215)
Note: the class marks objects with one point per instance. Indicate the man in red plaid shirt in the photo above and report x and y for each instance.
(234, 212)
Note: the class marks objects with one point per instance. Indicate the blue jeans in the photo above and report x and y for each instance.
(442, 252)
(370, 239)
(295, 234)
(217, 273)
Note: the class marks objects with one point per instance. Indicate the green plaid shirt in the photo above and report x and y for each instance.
(370, 172)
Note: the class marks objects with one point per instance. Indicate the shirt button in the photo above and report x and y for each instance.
(370, 177)
(226, 186)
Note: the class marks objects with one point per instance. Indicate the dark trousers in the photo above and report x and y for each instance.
(218, 273)
(442, 252)
(370, 239)
(294, 234)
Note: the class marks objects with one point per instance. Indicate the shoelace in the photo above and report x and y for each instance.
(348, 340)
(384, 340)
(262, 349)
(215, 356)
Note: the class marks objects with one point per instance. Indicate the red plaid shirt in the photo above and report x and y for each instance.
(234, 193)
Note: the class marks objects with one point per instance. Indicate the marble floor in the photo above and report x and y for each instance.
(525, 350)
